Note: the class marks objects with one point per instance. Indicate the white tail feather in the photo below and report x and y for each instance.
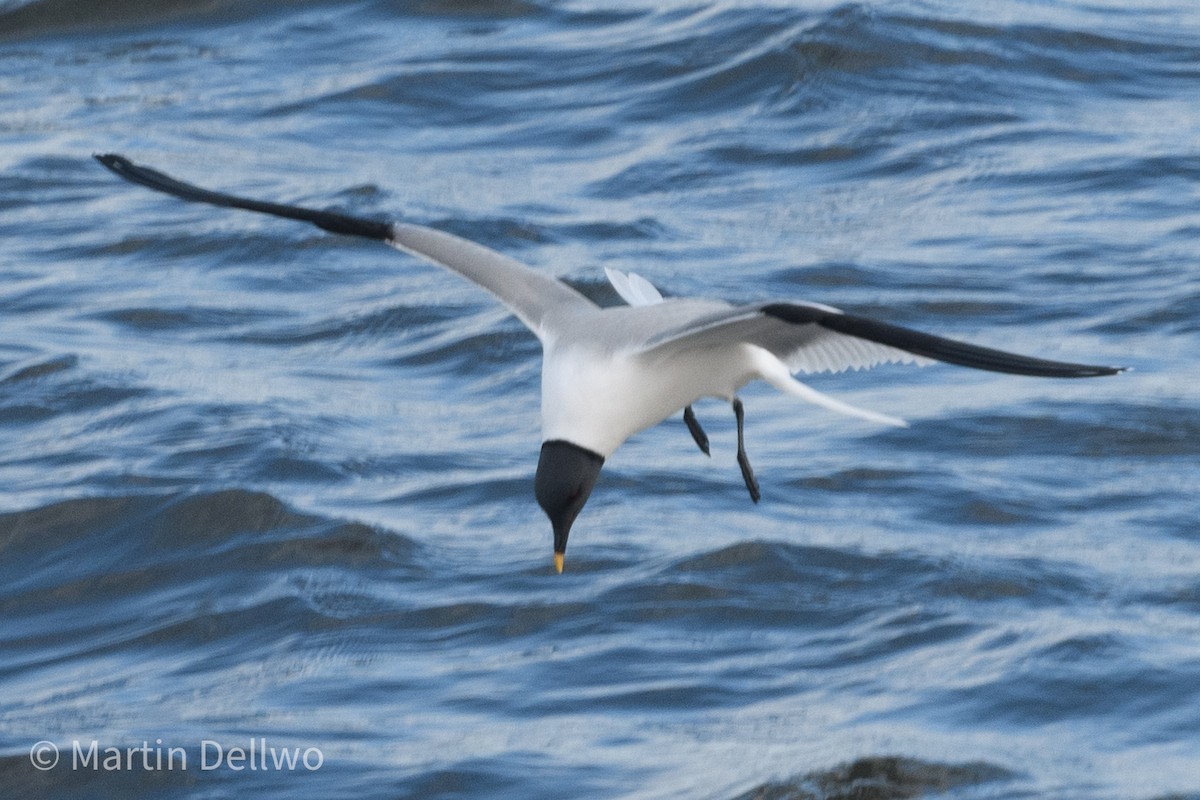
(773, 371)
(633, 288)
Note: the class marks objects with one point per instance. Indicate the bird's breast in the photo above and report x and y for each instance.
(598, 400)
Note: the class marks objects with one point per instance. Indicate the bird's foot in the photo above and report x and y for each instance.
(693, 426)
(743, 460)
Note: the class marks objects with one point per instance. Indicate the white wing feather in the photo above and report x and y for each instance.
(829, 351)
(803, 348)
(782, 349)
(544, 303)
(633, 288)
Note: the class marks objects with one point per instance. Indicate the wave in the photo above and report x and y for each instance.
(888, 778)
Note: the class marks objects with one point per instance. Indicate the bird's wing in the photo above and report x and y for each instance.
(810, 337)
(537, 299)
(633, 288)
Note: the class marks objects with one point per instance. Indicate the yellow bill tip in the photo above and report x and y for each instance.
(558, 563)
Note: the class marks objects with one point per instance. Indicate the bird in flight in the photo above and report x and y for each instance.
(608, 373)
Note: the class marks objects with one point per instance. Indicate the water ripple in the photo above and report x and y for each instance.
(266, 482)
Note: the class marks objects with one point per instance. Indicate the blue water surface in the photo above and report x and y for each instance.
(269, 490)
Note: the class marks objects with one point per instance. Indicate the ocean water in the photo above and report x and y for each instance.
(268, 491)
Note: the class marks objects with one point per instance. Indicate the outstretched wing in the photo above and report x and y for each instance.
(537, 299)
(810, 337)
(807, 337)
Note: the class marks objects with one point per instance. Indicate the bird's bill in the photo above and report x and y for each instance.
(558, 561)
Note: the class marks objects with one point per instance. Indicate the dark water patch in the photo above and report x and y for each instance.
(218, 436)
(890, 641)
(748, 64)
(149, 319)
(884, 778)
(197, 582)
(1034, 582)
(266, 531)
(46, 17)
(520, 772)
(73, 543)
(1178, 315)
(197, 519)
(39, 369)
(1184, 595)
(453, 621)
(453, 351)
(57, 524)
(641, 229)
(179, 237)
(1076, 680)
(741, 583)
(507, 234)
(886, 604)
(464, 487)
(660, 676)
(470, 9)
(220, 638)
(1128, 65)
(687, 697)
(493, 95)
(867, 480)
(1110, 431)
(811, 156)
(250, 252)
(961, 308)
(28, 185)
(54, 16)
(857, 48)
(1125, 65)
(53, 389)
(290, 468)
(998, 508)
(647, 484)
(654, 176)
(850, 40)
(835, 275)
(20, 779)
(254, 441)
(484, 624)
(1121, 175)
(970, 509)
(410, 320)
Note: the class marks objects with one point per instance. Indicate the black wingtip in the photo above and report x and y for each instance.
(950, 351)
(161, 182)
(118, 164)
(113, 162)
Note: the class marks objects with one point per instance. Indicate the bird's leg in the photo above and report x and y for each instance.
(744, 462)
(698, 434)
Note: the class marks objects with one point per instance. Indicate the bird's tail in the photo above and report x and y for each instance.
(774, 372)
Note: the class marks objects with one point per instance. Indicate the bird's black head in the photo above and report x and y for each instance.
(565, 475)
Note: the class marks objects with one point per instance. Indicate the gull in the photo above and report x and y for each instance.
(608, 373)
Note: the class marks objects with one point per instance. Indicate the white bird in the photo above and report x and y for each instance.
(608, 373)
